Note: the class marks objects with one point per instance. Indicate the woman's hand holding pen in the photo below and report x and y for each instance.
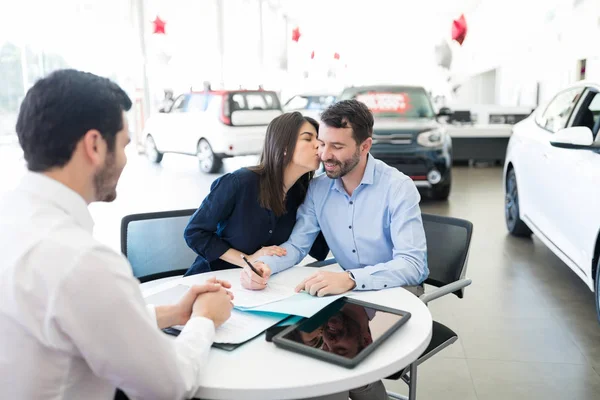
(255, 276)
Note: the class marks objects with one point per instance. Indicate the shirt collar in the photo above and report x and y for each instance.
(60, 196)
(367, 179)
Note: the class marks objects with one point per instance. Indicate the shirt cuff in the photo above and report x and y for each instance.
(272, 262)
(200, 325)
(152, 312)
(362, 278)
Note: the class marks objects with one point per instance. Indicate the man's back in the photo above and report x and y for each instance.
(73, 323)
(42, 244)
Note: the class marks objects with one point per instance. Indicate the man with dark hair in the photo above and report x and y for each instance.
(73, 323)
(369, 215)
(368, 212)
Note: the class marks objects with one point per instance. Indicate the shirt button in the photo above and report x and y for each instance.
(350, 227)
(354, 251)
(270, 231)
(384, 285)
(351, 202)
(363, 286)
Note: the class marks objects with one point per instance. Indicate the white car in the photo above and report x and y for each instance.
(552, 179)
(310, 104)
(212, 125)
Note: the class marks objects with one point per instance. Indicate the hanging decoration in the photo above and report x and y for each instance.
(296, 34)
(459, 29)
(159, 26)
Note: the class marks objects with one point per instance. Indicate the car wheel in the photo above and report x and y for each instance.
(597, 289)
(442, 190)
(151, 151)
(515, 225)
(209, 162)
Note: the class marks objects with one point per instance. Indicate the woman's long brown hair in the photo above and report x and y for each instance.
(278, 152)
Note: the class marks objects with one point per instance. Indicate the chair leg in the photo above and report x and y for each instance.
(396, 396)
(412, 385)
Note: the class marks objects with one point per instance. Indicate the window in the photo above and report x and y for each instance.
(179, 104)
(244, 101)
(589, 112)
(239, 102)
(256, 102)
(320, 102)
(196, 103)
(559, 110)
(394, 101)
(297, 103)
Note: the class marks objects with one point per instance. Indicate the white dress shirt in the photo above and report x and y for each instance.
(73, 323)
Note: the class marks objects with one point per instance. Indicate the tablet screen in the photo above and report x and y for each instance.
(343, 328)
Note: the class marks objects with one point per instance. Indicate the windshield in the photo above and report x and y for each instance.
(394, 102)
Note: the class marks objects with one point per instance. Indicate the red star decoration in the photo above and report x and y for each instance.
(312, 55)
(336, 56)
(159, 26)
(459, 29)
(296, 34)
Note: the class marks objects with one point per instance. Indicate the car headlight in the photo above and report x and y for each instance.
(433, 138)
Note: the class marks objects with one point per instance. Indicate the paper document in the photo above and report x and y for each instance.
(243, 326)
(301, 304)
(254, 298)
(166, 296)
(171, 292)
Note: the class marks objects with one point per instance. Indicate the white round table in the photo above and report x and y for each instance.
(260, 370)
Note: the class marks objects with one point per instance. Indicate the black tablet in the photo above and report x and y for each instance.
(344, 333)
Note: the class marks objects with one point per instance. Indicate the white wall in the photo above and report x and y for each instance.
(530, 42)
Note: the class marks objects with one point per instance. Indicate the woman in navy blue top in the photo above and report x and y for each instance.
(251, 211)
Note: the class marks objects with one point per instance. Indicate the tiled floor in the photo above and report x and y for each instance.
(527, 325)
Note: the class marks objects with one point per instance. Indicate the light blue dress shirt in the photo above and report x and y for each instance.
(377, 232)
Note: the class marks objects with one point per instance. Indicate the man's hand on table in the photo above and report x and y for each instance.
(324, 283)
(211, 300)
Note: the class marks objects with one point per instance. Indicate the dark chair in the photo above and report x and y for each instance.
(154, 245)
(448, 241)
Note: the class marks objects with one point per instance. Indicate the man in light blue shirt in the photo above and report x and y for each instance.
(368, 212)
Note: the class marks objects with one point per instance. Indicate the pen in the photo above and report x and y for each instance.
(257, 272)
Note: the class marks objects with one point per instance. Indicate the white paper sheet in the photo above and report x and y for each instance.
(301, 304)
(171, 292)
(244, 326)
(254, 298)
(166, 295)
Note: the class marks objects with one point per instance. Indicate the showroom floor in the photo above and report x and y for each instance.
(527, 325)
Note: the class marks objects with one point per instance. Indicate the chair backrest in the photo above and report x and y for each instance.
(448, 241)
(154, 244)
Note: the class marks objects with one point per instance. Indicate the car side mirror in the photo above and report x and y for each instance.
(444, 112)
(576, 137)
